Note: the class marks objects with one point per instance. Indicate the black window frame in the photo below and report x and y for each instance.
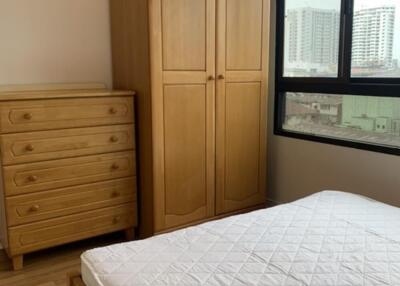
(343, 84)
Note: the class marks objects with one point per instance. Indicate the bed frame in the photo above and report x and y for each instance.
(75, 279)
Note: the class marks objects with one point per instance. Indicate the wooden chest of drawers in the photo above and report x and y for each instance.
(68, 167)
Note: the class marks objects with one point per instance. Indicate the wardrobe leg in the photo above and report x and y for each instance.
(130, 234)
(17, 262)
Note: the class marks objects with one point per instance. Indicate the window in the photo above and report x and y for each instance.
(338, 72)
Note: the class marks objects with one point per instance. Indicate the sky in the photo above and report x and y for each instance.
(359, 4)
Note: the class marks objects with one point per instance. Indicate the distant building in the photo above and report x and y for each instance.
(312, 40)
(316, 108)
(296, 113)
(374, 114)
(373, 34)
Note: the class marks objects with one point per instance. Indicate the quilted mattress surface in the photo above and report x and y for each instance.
(329, 238)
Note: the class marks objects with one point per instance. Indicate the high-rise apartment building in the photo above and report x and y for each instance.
(373, 35)
(312, 38)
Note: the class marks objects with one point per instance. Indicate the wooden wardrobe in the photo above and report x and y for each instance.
(200, 70)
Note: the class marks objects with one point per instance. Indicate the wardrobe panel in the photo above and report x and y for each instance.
(184, 24)
(183, 107)
(242, 140)
(244, 33)
(185, 149)
(241, 96)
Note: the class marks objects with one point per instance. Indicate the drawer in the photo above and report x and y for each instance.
(48, 145)
(35, 115)
(35, 236)
(49, 175)
(46, 205)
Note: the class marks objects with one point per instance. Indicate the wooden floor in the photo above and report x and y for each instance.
(50, 267)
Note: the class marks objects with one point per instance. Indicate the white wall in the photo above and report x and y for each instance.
(297, 168)
(54, 41)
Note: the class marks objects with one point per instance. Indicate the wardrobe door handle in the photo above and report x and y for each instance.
(113, 110)
(29, 148)
(114, 139)
(34, 208)
(116, 194)
(32, 178)
(210, 78)
(221, 76)
(28, 116)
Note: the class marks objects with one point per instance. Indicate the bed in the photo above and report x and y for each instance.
(329, 238)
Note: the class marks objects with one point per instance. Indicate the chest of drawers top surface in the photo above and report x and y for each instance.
(6, 94)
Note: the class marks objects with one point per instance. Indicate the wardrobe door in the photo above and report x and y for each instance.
(242, 66)
(183, 90)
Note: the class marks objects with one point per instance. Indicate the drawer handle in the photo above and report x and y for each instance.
(34, 208)
(29, 148)
(113, 110)
(114, 139)
(115, 166)
(117, 219)
(116, 194)
(32, 178)
(28, 116)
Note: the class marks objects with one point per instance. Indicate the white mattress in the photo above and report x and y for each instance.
(329, 238)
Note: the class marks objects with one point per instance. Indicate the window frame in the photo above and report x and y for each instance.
(343, 84)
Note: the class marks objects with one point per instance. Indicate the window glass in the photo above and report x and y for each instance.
(365, 119)
(311, 40)
(376, 38)
(368, 116)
